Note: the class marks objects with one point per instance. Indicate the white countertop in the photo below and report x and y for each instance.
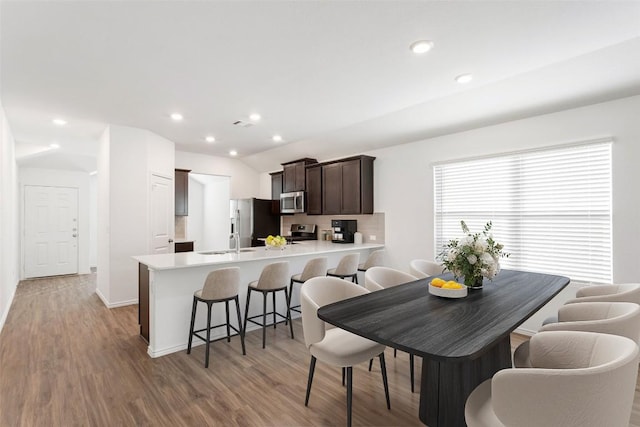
(195, 259)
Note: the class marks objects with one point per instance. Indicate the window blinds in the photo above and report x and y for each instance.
(551, 209)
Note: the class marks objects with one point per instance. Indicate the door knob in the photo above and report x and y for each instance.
(170, 240)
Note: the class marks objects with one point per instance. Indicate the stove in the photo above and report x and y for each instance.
(303, 232)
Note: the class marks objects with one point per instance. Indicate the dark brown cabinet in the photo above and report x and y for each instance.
(182, 192)
(186, 246)
(347, 186)
(294, 175)
(314, 190)
(276, 185)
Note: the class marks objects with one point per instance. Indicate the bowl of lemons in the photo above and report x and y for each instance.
(447, 289)
(275, 242)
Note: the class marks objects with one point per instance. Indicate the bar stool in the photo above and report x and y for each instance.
(347, 267)
(272, 279)
(220, 286)
(375, 259)
(314, 268)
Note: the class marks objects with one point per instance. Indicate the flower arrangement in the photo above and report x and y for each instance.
(474, 256)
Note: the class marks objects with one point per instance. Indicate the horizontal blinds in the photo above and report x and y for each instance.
(551, 209)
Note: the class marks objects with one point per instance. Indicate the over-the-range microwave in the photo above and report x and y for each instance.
(292, 202)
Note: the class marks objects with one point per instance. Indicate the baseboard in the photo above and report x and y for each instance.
(115, 304)
(7, 307)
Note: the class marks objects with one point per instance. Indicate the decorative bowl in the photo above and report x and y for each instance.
(448, 293)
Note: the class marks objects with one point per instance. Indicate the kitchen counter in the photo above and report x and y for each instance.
(167, 283)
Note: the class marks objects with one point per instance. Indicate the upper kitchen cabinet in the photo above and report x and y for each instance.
(276, 184)
(314, 190)
(347, 186)
(182, 192)
(294, 178)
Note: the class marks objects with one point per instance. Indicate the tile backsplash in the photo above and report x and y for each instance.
(180, 227)
(371, 226)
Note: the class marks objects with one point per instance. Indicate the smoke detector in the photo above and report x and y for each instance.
(242, 123)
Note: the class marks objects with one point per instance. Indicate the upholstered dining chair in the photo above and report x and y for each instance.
(332, 345)
(577, 379)
(421, 268)
(617, 318)
(313, 268)
(273, 278)
(377, 278)
(624, 292)
(347, 267)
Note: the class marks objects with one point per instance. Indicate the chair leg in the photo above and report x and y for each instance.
(355, 278)
(206, 355)
(383, 368)
(395, 352)
(411, 370)
(241, 332)
(246, 311)
(193, 321)
(312, 368)
(274, 309)
(343, 371)
(264, 319)
(370, 364)
(226, 304)
(349, 394)
(287, 297)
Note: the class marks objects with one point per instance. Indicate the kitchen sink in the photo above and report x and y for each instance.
(228, 251)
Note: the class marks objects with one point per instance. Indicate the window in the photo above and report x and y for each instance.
(550, 208)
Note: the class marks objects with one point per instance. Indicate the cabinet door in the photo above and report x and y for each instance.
(301, 177)
(351, 187)
(289, 179)
(181, 193)
(276, 186)
(332, 189)
(314, 191)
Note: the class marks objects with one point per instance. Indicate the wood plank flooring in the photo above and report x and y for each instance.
(65, 360)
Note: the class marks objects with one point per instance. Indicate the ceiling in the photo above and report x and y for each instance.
(332, 78)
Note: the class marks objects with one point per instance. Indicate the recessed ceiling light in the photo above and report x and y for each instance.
(421, 46)
(210, 139)
(233, 153)
(54, 145)
(176, 116)
(59, 122)
(255, 117)
(276, 138)
(464, 78)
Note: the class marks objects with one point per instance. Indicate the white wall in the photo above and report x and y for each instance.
(103, 279)
(133, 156)
(9, 249)
(195, 220)
(61, 178)
(93, 221)
(244, 180)
(404, 178)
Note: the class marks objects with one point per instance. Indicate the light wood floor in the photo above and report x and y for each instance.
(67, 360)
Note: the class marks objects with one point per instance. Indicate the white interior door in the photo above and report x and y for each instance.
(50, 231)
(162, 215)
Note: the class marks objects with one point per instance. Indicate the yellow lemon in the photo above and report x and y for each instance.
(451, 285)
(437, 282)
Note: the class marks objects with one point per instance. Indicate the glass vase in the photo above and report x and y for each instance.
(473, 282)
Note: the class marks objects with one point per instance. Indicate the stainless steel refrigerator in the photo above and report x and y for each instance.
(253, 219)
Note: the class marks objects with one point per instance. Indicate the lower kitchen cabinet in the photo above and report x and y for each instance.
(183, 247)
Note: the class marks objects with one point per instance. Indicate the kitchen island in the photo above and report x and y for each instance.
(167, 283)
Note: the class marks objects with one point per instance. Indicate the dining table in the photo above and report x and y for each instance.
(462, 341)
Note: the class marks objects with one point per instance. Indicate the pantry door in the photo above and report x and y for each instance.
(50, 231)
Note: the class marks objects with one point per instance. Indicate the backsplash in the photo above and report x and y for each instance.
(368, 225)
(180, 227)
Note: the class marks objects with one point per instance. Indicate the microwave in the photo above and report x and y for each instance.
(292, 202)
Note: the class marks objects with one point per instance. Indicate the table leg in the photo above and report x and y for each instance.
(445, 385)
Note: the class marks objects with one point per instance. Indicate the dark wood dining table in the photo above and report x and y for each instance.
(462, 341)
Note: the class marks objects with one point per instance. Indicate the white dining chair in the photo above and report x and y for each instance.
(577, 379)
(378, 278)
(421, 268)
(333, 345)
(617, 318)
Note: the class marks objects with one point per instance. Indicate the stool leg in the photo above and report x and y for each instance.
(193, 321)
(244, 352)
(264, 319)
(274, 309)
(226, 303)
(287, 297)
(206, 356)
(355, 278)
(246, 311)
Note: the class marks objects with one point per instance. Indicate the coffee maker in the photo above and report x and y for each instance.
(343, 230)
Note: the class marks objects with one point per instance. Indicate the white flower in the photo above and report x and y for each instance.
(466, 241)
(472, 259)
(487, 259)
(480, 246)
(452, 255)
